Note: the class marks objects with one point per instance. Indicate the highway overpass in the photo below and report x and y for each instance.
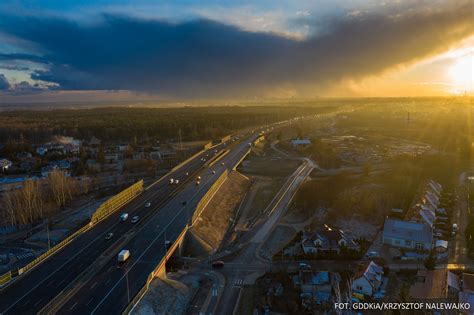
(84, 276)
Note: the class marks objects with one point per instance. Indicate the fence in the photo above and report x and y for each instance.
(216, 158)
(207, 197)
(5, 278)
(117, 201)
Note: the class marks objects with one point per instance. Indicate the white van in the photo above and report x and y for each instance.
(123, 255)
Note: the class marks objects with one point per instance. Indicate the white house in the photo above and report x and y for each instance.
(327, 240)
(368, 279)
(406, 234)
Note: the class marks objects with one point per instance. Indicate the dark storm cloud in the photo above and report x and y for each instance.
(4, 84)
(207, 58)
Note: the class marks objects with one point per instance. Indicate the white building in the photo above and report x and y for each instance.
(368, 279)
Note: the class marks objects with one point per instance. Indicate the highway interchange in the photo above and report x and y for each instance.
(106, 290)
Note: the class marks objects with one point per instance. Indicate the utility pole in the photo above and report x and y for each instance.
(47, 233)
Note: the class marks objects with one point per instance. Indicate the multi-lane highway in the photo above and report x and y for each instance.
(33, 290)
(84, 276)
(109, 291)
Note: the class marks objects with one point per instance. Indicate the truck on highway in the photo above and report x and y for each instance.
(123, 255)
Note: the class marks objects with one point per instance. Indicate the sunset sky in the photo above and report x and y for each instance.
(119, 50)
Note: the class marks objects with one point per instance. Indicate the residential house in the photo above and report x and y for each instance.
(435, 285)
(5, 164)
(368, 279)
(327, 240)
(441, 246)
(406, 234)
(318, 285)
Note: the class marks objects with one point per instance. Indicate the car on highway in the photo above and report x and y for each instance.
(218, 264)
(167, 244)
(222, 163)
(148, 205)
(135, 219)
(187, 173)
(124, 217)
(198, 178)
(214, 172)
(123, 255)
(197, 183)
(171, 181)
(176, 181)
(109, 236)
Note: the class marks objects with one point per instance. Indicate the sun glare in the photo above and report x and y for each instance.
(462, 74)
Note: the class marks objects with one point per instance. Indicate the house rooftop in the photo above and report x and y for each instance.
(419, 232)
(434, 284)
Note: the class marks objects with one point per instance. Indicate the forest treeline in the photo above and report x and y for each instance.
(126, 124)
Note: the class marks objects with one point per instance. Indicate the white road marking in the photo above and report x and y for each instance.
(72, 307)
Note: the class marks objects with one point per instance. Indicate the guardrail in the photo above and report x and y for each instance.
(133, 303)
(240, 161)
(113, 204)
(209, 194)
(216, 158)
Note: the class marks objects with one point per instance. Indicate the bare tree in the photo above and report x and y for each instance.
(61, 187)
